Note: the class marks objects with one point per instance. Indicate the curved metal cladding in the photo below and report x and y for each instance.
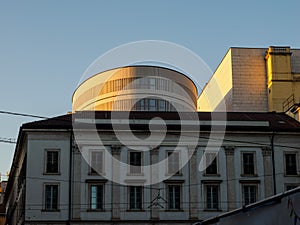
(136, 88)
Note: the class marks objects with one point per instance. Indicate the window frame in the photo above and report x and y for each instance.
(130, 168)
(47, 150)
(244, 194)
(93, 171)
(285, 163)
(97, 184)
(168, 172)
(45, 197)
(217, 185)
(243, 165)
(216, 159)
(179, 185)
(129, 188)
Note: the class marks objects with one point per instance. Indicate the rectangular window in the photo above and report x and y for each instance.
(291, 186)
(135, 161)
(96, 196)
(248, 163)
(174, 196)
(290, 164)
(212, 197)
(135, 198)
(52, 161)
(96, 158)
(211, 163)
(249, 194)
(152, 104)
(173, 163)
(51, 197)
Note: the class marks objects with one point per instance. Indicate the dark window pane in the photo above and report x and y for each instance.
(51, 197)
(249, 194)
(96, 196)
(290, 164)
(52, 162)
(174, 197)
(135, 162)
(211, 162)
(212, 198)
(248, 163)
(135, 198)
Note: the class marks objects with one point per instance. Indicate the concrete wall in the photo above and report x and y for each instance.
(249, 80)
(218, 91)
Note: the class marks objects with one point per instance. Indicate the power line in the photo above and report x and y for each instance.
(22, 114)
(8, 140)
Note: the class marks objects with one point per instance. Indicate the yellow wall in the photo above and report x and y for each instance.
(282, 83)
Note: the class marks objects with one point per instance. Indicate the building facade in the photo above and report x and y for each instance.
(255, 80)
(51, 182)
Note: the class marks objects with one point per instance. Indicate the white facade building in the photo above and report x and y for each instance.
(52, 183)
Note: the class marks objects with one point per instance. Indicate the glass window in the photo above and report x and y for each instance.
(96, 196)
(135, 197)
(250, 194)
(96, 162)
(173, 163)
(152, 83)
(52, 157)
(211, 163)
(290, 164)
(212, 197)
(152, 105)
(135, 161)
(248, 163)
(51, 197)
(174, 197)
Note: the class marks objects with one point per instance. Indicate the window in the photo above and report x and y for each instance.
(152, 105)
(249, 194)
(96, 158)
(212, 197)
(173, 163)
(51, 197)
(174, 197)
(248, 163)
(135, 161)
(290, 164)
(291, 186)
(135, 197)
(96, 196)
(211, 163)
(52, 161)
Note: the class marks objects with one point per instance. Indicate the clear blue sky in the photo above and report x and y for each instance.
(45, 46)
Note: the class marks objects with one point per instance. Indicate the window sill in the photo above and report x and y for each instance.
(211, 175)
(175, 174)
(50, 210)
(292, 175)
(135, 210)
(174, 210)
(249, 175)
(52, 174)
(212, 210)
(96, 210)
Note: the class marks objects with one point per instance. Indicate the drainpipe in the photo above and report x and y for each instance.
(273, 163)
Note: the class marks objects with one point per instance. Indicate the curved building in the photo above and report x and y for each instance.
(136, 88)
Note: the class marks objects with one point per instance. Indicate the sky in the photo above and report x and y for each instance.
(45, 46)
